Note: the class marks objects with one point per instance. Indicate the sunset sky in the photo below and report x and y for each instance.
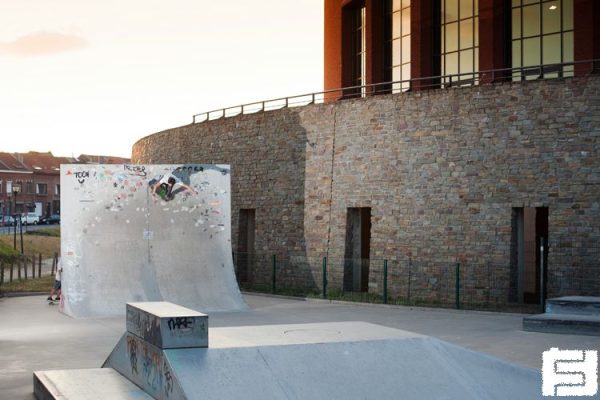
(83, 76)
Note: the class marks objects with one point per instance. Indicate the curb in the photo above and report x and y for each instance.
(379, 305)
(22, 294)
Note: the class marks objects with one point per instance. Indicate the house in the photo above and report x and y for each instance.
(37, 177)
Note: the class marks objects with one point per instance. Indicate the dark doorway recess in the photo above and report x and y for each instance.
(245, 254)
(358, 243)
(528, 268)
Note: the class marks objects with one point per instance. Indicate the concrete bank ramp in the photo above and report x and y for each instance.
(165, 353)
(344, 360)
(146, 233)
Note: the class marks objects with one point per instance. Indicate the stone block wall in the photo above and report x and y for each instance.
(441, 171)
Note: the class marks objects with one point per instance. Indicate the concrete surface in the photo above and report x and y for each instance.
(86, 384)
(122, 242)
(571, 314)
(35, 336)
(412, 368)
(331, 360)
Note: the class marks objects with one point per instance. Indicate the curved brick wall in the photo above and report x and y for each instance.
(441, 171)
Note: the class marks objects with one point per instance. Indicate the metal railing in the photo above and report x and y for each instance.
(483, 283)
(544, 71)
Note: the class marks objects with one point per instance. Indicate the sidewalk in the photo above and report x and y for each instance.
(35, 336)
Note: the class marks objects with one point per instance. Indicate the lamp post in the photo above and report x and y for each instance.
(16, 188)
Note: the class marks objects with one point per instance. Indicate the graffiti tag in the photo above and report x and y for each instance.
(81, 176)
(139, 170)
(180, 323)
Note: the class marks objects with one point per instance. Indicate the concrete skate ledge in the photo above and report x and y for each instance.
(167, 325)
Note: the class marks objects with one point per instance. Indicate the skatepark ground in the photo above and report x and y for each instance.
(36, 336)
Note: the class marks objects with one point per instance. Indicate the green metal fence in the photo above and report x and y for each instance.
(480, 284)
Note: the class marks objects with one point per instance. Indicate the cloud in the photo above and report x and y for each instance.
(42, 44)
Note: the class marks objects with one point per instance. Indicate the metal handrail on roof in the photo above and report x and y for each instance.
(543, 71)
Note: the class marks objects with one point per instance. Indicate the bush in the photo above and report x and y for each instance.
(7, 253)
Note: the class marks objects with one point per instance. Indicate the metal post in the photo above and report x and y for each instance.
(40, 265)
(273, 286)
(21, 230)
(385, 282)
(542, 267)
(15, 231)
(409, 267)
(12, 266)
(24, 260)
(19, 268)
(1, 273)
(457, 286)
(324, 277)
(33, 266)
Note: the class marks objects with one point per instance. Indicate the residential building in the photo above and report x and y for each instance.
(37, 175)
(12, 172)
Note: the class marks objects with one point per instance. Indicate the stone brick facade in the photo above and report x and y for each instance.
(441, 171)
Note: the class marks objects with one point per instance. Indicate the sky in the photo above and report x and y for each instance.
(93, 77)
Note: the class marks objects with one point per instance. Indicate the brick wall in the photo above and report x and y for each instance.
(441, 171)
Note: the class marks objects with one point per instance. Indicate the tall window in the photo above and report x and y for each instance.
(0, 185)
(399, 44)
(360, 48)
(42, 188)
(460, 41)
(29, 187)
(542, 34)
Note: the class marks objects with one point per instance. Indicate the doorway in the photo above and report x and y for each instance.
(245, 253)
(357, 252)
(528, 260)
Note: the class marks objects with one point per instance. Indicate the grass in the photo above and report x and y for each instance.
(43, 284)
(53, 232)
(34, 244)
(45, 242)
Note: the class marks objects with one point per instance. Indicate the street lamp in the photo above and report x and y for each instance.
(16, 189)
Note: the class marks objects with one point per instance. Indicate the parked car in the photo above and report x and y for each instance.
(7, 220)
(50, 219)
(29, 219)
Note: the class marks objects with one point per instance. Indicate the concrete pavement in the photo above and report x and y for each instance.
(35, 336)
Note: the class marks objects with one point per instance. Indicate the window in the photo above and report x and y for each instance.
(57, 189)
(0, 185)
(8, 186)
(42, 188)
(398, 44)
(359, 66)
(459, 41)
(29, 187)
(542, 35)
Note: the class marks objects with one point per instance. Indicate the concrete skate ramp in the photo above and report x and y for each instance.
(321, 361)
(128, 234)
(417, 368)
